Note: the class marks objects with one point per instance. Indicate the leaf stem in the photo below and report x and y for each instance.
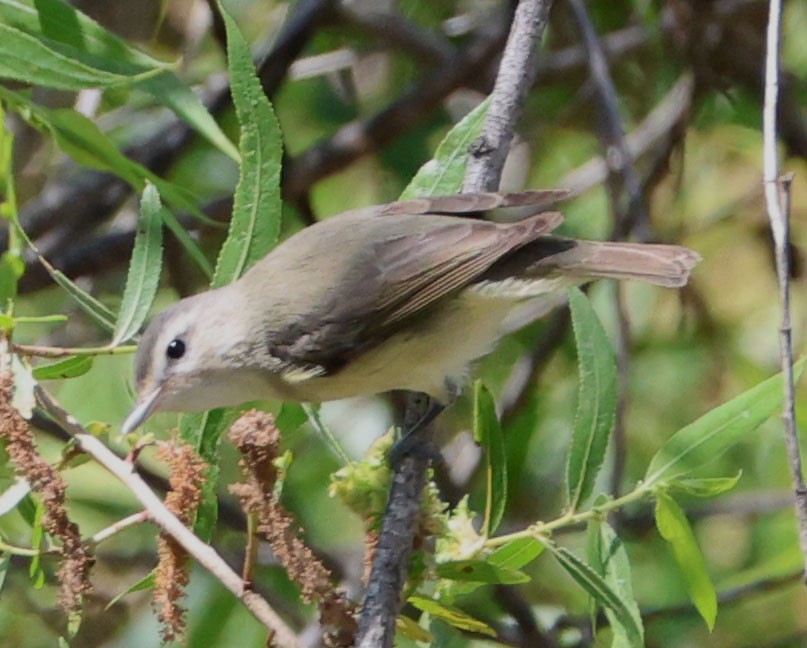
(63, 352)
(544, 529)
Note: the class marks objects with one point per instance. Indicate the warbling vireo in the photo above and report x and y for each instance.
(397, 296)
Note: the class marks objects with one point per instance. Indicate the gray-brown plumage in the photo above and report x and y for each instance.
(399, 296)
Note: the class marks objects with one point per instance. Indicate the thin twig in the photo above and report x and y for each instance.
(206, 556)
(513, 82)
(113, 529)
(609, 127)
(658, 123)
(777, 198)
(623, 341)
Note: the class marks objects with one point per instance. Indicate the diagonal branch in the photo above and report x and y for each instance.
(168, 522)
(513, 82)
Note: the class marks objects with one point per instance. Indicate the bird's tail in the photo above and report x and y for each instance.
(663, 265)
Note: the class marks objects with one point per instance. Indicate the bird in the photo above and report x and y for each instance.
(401, 296)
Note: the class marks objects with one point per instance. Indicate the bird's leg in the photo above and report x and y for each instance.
(426, 409)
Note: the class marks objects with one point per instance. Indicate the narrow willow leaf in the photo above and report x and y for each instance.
(144, 268)
(145, 583)
(608, 558)
(411, 630)
(488, 434)
(5, 561)
(13, 495)
(255, 224)
(704, 486)
(451, 615)
(674, 528)
(516, 554)
(67, 32)
(203, 432)
(25, 58)
(444, 174)
(601, 590)
(99, 313)
(480, 571)
(596, 403)
(716, 431)
(67, 368)
(81, 139)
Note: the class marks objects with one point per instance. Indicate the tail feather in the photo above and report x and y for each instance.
(663, 265)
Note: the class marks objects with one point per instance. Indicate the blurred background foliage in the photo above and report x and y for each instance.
(689, 350)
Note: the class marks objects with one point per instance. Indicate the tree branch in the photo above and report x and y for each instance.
(282, 634)
(391, 561)
(513, 82)
(777, 199)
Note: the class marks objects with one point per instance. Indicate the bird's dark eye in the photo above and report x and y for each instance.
(175, 349)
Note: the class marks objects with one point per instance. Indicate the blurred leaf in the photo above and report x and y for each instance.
(27, 59)
(410, 629)
(72, 39)
(145, 583)
(99, 313)
(601, 590)
(67, 368)
(23, 399)
(255, 224)
(35, 571)
(82, 140)
(516, 554)
(451, 615)
(704, 486)
(480, 571)
(5, 561)
(203, 432)
(291, 417)
(445, 172)
(144, 268)
(488, 433)
(716, 431)
(11, 269)
(596, 403)
(674, 528)
(608, 557)
(13, 495)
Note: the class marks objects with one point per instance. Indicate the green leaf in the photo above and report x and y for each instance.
(81, 139)
(609, 559)
(674, 528)
(12, 268)
(35, 571)
(255, 224)
(451, 615)
(292, 416)
(25, 58)
(5, 561)
(601, 590)
(488, 434)
(596, 403)
(517, 553)
(145, 583)
(480, 571)
(144, 268)
(67, 368)
(716, 431)
(411, 630)
(444, 174)
(13, 495)
(69, 38)
(203, 432)
(99, 313)
(704, 486)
